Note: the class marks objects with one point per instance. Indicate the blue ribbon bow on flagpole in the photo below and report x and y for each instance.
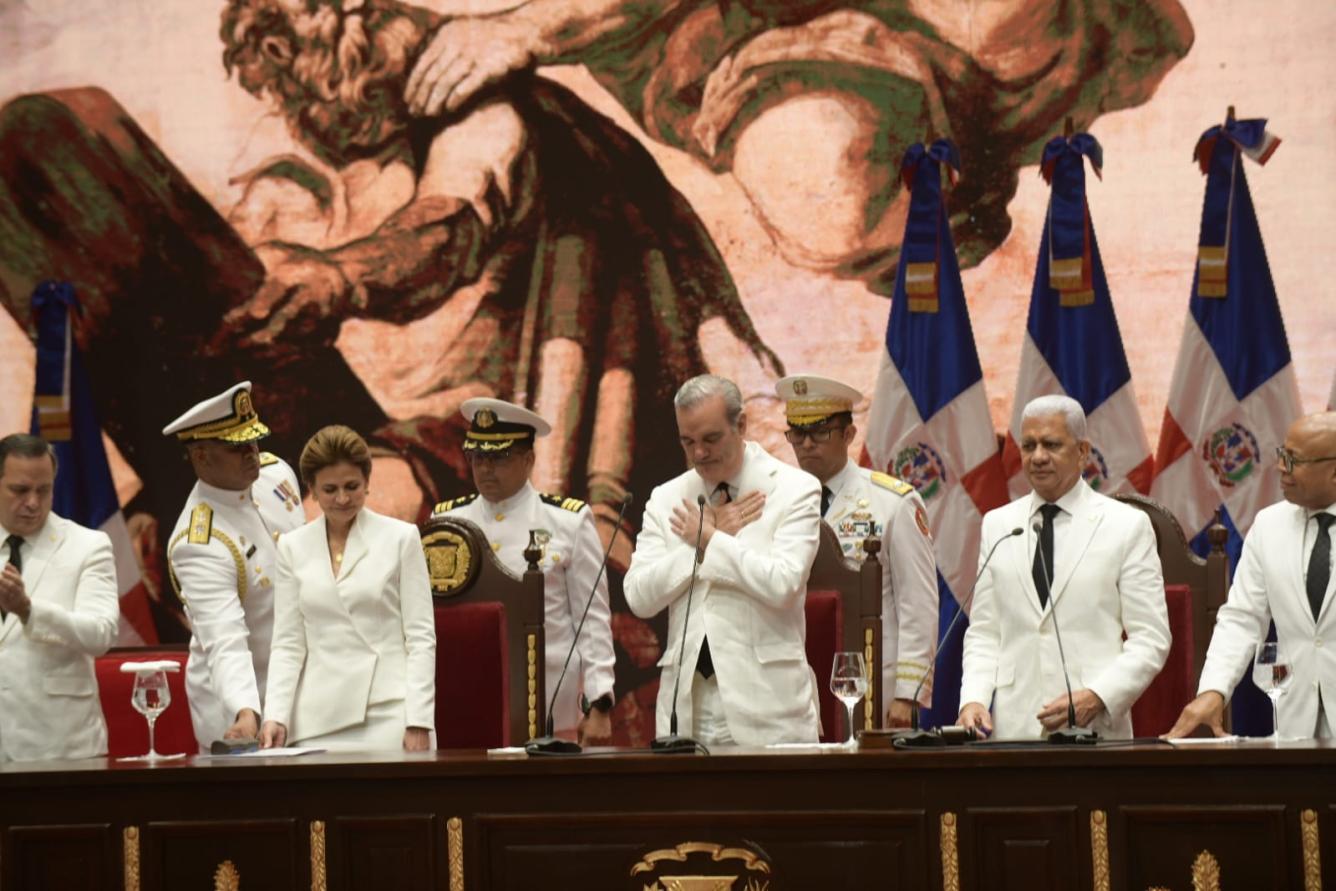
(1063, 168)
(1217, 154)
(921, 172)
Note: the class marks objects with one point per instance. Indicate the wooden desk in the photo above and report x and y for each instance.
(1253, 816)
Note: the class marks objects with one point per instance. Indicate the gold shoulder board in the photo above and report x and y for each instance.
(267, 458)
(886, 481)
(574, 505)
(201, 524)
(446, 506)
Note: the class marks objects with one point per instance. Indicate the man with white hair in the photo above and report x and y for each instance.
(1088, 555)
(752, 523)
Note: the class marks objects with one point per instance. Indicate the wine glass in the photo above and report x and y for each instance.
(1272, 674)
(848, 682)
(150, 697)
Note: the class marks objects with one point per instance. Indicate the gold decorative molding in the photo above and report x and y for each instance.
(679, 854)
(226, 877)
(1312, 851)
(130, 854)
(1205, 872)
(950, 855)
(531, 646)
(869, 716)
(454, 852)
(1099, 850)
(318, 881)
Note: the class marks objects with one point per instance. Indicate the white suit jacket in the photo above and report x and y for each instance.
(49, 705)
(223, 559)
(864, 505)
(572, 555)
(365, 637)
(1107, 581)
(749, 599)
(1269, 585)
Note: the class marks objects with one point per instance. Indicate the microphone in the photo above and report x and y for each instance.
(1071, 734)
(549, 743)
(672, 744)
(915, 737)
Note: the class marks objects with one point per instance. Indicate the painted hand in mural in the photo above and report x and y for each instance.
(303, 298)
(466, 55)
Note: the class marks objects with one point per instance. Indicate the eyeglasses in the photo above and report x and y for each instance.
(817, 436)
(1288, 460)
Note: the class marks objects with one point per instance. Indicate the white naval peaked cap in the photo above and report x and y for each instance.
(495, 425)
(810, 398)
(230, 416)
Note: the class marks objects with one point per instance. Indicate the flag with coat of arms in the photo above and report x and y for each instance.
(1072, 343)
(929, 423)
(63, 414)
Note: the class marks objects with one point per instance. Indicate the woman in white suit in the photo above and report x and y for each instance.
(353, 664)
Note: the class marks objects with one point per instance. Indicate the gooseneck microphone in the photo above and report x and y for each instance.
(549, 743)
(672, 744)
(1071, 734)
(915, 737)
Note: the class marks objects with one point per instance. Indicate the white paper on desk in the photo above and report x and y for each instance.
(508, 750)
(278, 752)
(1204, 740)
(815, 745)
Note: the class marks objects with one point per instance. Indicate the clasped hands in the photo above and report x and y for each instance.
(13, 596)
(688, 520)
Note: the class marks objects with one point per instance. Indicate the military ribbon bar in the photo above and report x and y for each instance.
(921, 172)
(1217, 154)
(1063, 168)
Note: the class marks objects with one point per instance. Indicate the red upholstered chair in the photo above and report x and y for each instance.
(844, 613)
(1195, 589)
(490, 689)
(127, 731)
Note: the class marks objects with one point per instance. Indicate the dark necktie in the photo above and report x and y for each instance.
(1319, 564)
(15, 559)
(704, 663)
(1043, 579)
(827, 497)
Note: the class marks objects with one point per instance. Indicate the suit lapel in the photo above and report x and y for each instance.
(44, 548)
(1073, 544)
(356, 547)
(1022, 557)
(1297, 535)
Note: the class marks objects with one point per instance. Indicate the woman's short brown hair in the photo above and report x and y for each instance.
(335, 444)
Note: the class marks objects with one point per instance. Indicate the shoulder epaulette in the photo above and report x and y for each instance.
(886, 481)
(201, 524)
(267, 458)
(453, 503)
(574, 505)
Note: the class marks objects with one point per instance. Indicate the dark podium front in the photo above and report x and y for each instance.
(1244, 816)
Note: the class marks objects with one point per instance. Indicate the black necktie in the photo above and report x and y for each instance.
(827, 497)
(1043, 580)
(1319, 564)
(15, 559)
(704, 663)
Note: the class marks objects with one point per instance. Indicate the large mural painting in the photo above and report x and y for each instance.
(375, 210)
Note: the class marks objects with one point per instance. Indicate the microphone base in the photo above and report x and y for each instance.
(916, 739)
(552, 745)
(1073, 736)
(672, 744)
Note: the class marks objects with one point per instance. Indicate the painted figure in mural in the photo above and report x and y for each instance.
(812, 103)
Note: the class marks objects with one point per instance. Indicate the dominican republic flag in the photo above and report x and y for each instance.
(1234, 391)
(929, 423)
(1072, 343)
(63, 414)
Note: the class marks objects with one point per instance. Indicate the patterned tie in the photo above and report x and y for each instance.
(1044, 580)
(1319, 563)
(827, 497)
(704, 662)
(15, 559)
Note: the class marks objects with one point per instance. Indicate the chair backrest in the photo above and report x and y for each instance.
(490, 685)
(127, 731)
(844, 613)
(1195, 589)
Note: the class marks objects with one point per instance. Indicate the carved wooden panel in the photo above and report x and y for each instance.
(254, 855)
(393, 853)
(78, 856)
(1246, 843)
(1032, 848)
(761, 850)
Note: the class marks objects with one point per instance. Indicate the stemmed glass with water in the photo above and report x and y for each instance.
(848, 682)
(150, 697)
(1272, 674)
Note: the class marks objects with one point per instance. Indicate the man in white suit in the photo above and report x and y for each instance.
(1285, 575)
(749, 681)
(858, 503)
(1094, 559)
(223, 558)
(58, 610)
